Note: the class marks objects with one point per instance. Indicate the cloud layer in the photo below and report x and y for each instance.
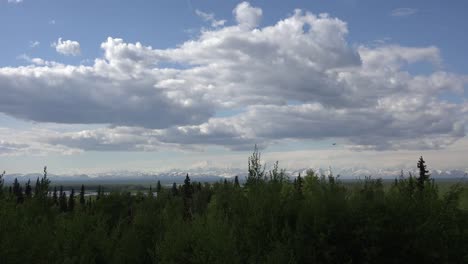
(297, 79)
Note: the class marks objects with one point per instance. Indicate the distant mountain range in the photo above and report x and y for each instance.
(216, 174)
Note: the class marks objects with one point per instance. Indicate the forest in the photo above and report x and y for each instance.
(271, 218)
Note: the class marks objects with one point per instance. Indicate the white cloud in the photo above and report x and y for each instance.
(27, 142)
(297, 79)
(209, 17)
(52, 22)
(247, 16)
(404, 11)
(38, 61)
(67, 47)
(15, 1)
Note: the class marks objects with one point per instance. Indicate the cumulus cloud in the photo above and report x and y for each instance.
(297, 79)
(67, 47)
(247, 16)
(209, 17)
(404, 11)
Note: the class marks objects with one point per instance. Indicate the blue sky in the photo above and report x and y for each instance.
(81, 95)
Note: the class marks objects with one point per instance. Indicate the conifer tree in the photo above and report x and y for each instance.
(28, 189)
(174, 190)
(99, 192)
(62, 200)
(16, 187)
(158, 187)
(2, 180)
(44, 183)
(71, 200)
(188, 194)
(36, 187)
(54, 196)
(82, 195)
(423, 173)
(298, 184)
(236, 181)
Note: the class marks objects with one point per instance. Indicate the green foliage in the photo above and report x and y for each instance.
(255, 168)
(314, 219)
(71, 201)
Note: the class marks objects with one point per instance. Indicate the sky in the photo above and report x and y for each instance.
(98, 86)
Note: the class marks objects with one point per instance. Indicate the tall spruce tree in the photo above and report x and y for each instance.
(82, 195)
(36, 187)
(44, 184)
(423, 173)
(99, 192)
(299, 183)
(62, 200)
(188, 195)
(16, 187)
(28, 189)
(54, 196)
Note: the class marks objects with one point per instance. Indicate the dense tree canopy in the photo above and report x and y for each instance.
(274, 218)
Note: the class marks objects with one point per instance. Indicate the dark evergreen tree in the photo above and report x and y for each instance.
(236, 181)
(423, 173)
(82, 195)
(28, 189)
(158, 187)
(2, 180)
(44, 184)
(71, 200)
(16, 187)
(62, 200)
(299, 183)
(54, 196)
(36, 187)
(174, 190)
(188, 195)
